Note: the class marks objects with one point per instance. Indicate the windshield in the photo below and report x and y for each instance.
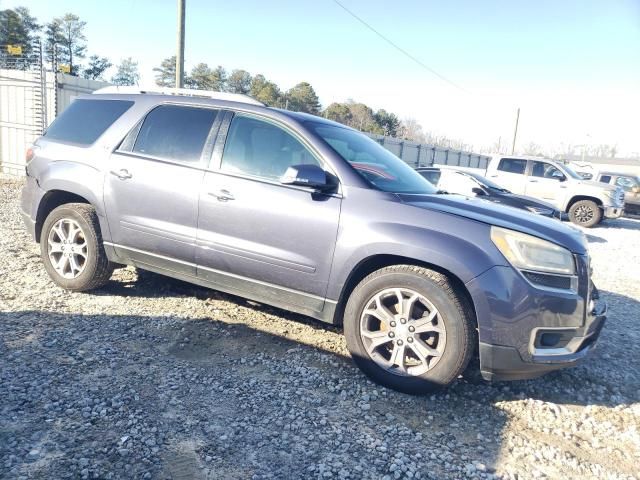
(485, 181)
(569, 171)
(377, 165)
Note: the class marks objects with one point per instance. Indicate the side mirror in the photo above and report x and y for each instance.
(311, 176)
(556, 175)
(479, 192)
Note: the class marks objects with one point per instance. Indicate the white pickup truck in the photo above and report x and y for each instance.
(586, 202)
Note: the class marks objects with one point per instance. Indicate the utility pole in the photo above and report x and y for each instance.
(515, 133)
(180, 53)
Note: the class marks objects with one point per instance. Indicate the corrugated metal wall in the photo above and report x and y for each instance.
(24, 112)
(425, 155)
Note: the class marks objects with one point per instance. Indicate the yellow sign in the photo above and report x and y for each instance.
(14, 49)
(64, 68)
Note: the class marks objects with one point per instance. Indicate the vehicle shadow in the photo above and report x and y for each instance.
(623, 222)
(595, 239)
(604, 373)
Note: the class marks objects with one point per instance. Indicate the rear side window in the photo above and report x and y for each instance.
(605, 179)
(174, 132)
(512, 165)
(85, 120)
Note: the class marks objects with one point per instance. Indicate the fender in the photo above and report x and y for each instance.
(458, 245)
(78, 178)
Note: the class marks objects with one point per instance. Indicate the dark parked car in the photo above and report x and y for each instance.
(306, 214)
(474, 185)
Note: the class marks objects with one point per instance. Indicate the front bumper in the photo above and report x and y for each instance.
(500, 363)
(516, 317)
(613, 212)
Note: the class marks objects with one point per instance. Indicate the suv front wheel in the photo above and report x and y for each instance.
(406, 327)
(71, 248)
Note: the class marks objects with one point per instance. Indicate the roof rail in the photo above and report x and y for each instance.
(187, 92)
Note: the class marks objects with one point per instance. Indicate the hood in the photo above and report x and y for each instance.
(594, 184)
(502, 216)
(534, 202)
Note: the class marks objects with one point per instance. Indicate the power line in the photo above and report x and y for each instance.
(399, 48)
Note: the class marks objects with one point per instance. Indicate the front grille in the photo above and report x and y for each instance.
(551, 281)
(619, 197)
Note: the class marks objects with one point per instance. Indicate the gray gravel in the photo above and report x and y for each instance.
(154, 378)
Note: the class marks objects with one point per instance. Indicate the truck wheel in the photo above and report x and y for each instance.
(585, 213)
(71, 248)
(407, 328)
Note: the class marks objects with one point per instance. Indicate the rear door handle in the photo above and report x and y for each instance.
(533, 181)
(122, 174)
(222, 195)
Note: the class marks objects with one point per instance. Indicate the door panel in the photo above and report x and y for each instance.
(542, 183)
(268, 233)
(152, 187)
(258, 236)
(154, 210)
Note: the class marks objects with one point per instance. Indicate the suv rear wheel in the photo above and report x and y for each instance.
(406, 327)
(71, 248)
(585, 213)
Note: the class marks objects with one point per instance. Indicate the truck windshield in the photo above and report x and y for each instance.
(378, 166)
(569, 171)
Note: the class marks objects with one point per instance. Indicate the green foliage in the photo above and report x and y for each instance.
(388, 122)
(97, 66)
(126, 73)
(239, 82)
(65, 37)
(166, 72)
(202, 77)
(338, 112)
(18, 27)
(265, 91)
(303, 98)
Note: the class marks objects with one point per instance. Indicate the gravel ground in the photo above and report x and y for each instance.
(154, 378)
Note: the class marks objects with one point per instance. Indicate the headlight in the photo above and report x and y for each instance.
(527, 252)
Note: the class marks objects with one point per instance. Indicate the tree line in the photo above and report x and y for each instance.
(65, 45)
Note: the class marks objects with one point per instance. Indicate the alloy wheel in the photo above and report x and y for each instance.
(67, 248)
(402, 332)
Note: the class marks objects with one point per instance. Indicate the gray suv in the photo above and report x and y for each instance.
(308, 215)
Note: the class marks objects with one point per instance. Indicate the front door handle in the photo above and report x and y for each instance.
(222, 195)
(122, 174)
(533, 181)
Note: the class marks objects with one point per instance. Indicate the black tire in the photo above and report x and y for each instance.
(96, 268)
(458, 320)
(585, 213)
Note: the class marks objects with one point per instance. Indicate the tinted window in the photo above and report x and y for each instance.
(605, 178)
(432, 175)
(545, 170)
(261, 149)
(175, 132)
(512, 165)
(85, 120)
(373, 162)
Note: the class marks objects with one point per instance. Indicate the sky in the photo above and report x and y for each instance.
(571, 66)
